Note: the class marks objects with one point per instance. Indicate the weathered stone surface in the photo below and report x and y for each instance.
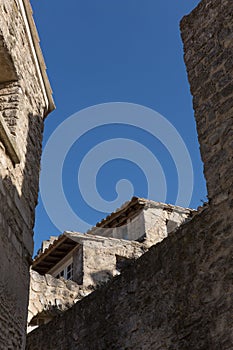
(207, 36)
(23, 106)
(179, 294)
(99, 257)
(176, 296)
(95, 260)
(51, 295)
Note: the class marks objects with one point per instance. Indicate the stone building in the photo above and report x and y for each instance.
(86, 259)
(25, 100)
(76, 264)
(178, 295)
(90, 260)
(142, 220)
(138, 220)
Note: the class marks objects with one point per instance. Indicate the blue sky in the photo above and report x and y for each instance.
(116, 51)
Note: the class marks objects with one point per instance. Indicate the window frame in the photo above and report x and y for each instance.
(66, 272)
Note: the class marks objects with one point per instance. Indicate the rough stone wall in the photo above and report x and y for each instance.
(161, 220)
(179, 294)
(176, 296)
(207, 36)
(22, 108)
(95, 261)
(10, 94)
(100, 258)
(50, 294)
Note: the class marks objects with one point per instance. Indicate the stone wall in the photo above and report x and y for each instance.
(163, 219)
(176, 296)
(179, 294)
(100, 257)
(95, 261)
(23, 104)
(10, 94)
(49, 296)
(207, 36)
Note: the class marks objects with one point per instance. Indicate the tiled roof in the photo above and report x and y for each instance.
(56, 251)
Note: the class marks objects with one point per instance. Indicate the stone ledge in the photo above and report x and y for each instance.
(8, 141)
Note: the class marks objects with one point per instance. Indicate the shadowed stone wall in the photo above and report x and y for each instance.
(208, 44)
(179, 294)
(23, 104)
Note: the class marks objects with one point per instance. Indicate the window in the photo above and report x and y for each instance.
(66, 273)
(69, 272)
(60, 274)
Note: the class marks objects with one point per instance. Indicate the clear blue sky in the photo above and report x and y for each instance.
(116, 51)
